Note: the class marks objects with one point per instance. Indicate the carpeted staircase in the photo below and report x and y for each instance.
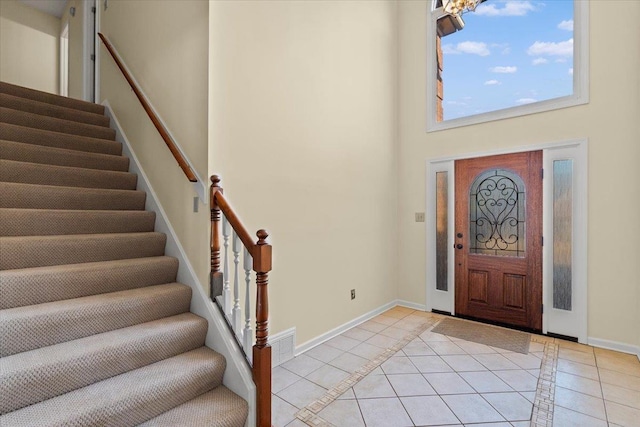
(94, 329)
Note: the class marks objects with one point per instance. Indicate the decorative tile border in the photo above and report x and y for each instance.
(542, 415)
(309, 414)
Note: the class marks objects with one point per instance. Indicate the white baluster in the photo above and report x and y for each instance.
(236, 313)
(247, 333)
(226, 291)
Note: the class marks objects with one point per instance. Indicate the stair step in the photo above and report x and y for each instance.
(31, 196)
(50, 222)
(35, 326)
(80, 280)
(65, 176)
(50, 98)
(219, 407)
(21, 118)
(47, 138)
(18, 151)
(39, 251)
(52, 110)
(33, 376)
(130, 398)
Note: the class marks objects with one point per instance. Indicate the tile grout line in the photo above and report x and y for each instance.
(309, 414)
(542, 414)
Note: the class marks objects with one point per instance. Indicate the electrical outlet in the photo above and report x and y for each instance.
(419, 216)
(353, 294)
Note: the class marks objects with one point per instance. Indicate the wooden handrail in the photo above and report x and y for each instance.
(164, 133)
(261, 253)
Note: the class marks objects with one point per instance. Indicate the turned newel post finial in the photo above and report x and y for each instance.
(262, 237)
(215, 180)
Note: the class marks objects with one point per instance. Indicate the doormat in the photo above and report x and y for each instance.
(493, 336)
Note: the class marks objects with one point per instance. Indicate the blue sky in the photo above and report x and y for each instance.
(509, 53)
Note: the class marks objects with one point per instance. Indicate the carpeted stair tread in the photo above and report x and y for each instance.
(52, 110)
(50, 98)
(80, 280)
(51, 222)
(32, 196)
(33, 376)
(35, 326)
(21, 118)
(65, 176)
(94, 328)
(18, 151)
(130, 398)
(47, 138)
(219, 407)
(38, 251)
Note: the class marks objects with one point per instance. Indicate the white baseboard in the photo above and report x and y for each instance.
(412, 305)
(614, 345)
(355, 322)
(237, 376)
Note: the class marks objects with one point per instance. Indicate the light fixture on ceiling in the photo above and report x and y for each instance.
(72, 11)
(458, 7)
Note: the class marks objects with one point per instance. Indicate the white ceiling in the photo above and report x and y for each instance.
(50, 7)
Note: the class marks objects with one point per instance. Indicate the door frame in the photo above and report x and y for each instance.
(576, 149)
(89, 31)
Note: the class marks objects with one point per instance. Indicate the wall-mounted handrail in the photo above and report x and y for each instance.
(260, 253)
(164, 133)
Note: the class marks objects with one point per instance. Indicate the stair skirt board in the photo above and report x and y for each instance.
(95, 327)
(238, 376)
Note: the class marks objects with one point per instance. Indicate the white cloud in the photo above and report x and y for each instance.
(561, 60)
(473, 48)
(570, 71)
(449, 49)
(503, 70)
(566, 25)
(505, 48)
(539, 61)
(511, 8)
(523, 101)
(491, 82)
(462, 104)
(564, 48)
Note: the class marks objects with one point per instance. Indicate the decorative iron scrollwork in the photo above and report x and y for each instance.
(497, 214)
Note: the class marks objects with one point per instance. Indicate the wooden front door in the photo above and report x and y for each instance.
(498, 239)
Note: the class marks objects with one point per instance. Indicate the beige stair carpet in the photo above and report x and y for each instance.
(94, 328)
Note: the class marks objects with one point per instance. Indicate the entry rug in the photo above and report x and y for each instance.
(493, 336)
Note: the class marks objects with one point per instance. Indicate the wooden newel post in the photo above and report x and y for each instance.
(262, 350)
(216, 275)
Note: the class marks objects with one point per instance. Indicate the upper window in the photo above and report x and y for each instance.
(507, 58)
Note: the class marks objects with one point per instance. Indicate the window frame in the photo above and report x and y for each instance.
(580, 94)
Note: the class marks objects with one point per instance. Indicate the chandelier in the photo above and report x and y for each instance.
(457, 7)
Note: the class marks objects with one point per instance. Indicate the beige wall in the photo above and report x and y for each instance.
(29, 43)
(166, 49)
(609, 121)
(303, 132)
(76, 37)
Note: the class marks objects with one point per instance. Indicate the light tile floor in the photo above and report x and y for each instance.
(391, 371)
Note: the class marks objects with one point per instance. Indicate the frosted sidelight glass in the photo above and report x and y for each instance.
(442, 230)
(562, 227)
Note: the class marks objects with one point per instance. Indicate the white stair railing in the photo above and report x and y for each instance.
(239, 320)
(257, 257)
